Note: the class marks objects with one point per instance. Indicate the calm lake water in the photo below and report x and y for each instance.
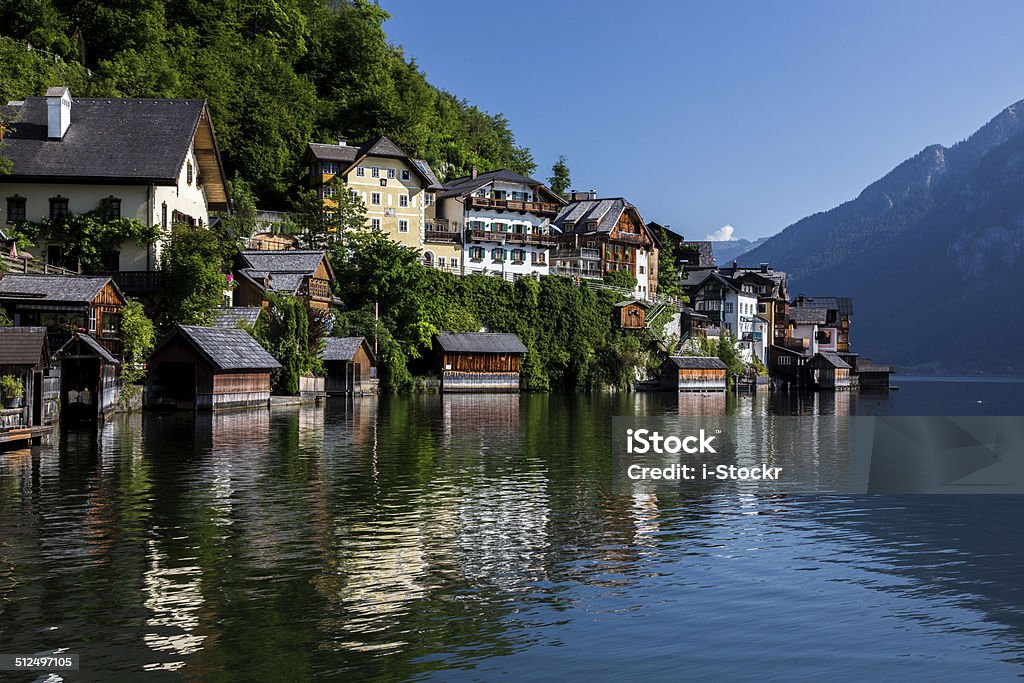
(475, 538)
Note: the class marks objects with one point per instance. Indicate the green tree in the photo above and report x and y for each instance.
(621, 278)
(729, 354)
(138, 336)
(322, 227)
(284, 331)
(560, 179)
(88, 239)
(193, 262)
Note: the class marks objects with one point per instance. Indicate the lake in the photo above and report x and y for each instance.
(478, 537)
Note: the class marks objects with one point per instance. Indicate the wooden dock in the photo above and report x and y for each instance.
(20, 435)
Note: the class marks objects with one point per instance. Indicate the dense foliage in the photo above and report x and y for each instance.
(138, 337)
(568, 330)
(560, 179)
(277, 74)
(87, 239)
(193, 262)
(285, 330)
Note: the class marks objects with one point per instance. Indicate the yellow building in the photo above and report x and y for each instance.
(396, 189)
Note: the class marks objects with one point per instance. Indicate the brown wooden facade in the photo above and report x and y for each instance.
(180, 377)
(478, 362)
(693, 374)
(631, 315)
(351, 375)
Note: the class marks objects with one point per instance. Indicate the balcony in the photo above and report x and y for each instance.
(536, 208)
(317, 290)
(512, 237)
(794, 344)
(137, 281)
(443, 236)
(586, 273)
(629, 238)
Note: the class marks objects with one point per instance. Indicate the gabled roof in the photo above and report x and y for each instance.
(697, 362)
(480, 342)
(342, 348)
(22, 345)
(284, 261)
(225, 349)
(842, 304)
(350, 155)
(93, 347)
(831, 358)
(808, 316)
(67, 289)
(229, 318)
(124, 140)
(467, 185)
(633, 302)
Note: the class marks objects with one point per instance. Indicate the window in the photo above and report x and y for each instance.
(403, 200)
(58, 208)
(55, 255)
(455, 262)
(497, 227)
(375, 223)
(428, 199)
(163, 216)
(353, 195)
(375, 198)
(728, 307)
(518, 255)
(92, 319)
(403, 226)
(405, 174)
(327, 191)
(391, 173)
(188, 174)
(110, 323)
(16, 210)
(640, 270)
(440, 262)
(375, 171)
(361, 171)
(497, 254)
(329, 167)
(383, 182)
(476, 253)
(110, 208)
(538, 258)
(785, 360)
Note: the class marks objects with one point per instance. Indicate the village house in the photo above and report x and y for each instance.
(602, 236)
(478, 361)
(828, 371)
(350, 364)
(396, 189)
(688, 253)
(730, 304)
(65, 305)
(834, 332)
(693, 373)
(155, 160)
(504, 220)
(303, 274)
(208, 368)
(24, 355)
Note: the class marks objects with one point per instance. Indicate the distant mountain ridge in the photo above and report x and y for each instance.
(938, 239)
(726, 251)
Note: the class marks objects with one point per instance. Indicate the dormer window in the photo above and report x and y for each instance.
(110, 208)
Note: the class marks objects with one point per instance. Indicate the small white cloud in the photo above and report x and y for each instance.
(723, 234)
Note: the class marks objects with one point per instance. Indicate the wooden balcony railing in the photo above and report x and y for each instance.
(443, 236)
(629, 237)
(512, 237)
(137, 280)
(318, 289)
(538, 208)
(22, 265)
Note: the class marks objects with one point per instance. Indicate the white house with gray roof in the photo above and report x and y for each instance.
(505, 222)
(155, 160)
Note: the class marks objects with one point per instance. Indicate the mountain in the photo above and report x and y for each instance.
(726, 251)
(932, 254)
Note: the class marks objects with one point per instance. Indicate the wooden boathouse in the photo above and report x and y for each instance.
(207, 368)
(693, 373)
(350, 364)
(828, 371)
(24, 354)
(478, 361)
(90, 379)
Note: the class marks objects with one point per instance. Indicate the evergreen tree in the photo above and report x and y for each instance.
(560, 179)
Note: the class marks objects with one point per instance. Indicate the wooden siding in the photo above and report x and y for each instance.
(632, 317)
(480, 362)
(681, 379)
(454, 381)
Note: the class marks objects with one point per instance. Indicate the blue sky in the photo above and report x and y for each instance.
(749, 114)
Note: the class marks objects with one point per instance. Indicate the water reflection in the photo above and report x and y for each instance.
(478, 536)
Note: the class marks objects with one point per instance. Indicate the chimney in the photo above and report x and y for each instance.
(578, 196)
(472, 173)
(735, 264)
(58, 112)
(342, 142)
(592, 194)
(764, 268)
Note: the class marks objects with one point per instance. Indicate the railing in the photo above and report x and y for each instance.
(25, 265)
(137, 280)
(442, 236)
(318, 289)
(270, 217)
(539, 208)
(569, 271)
(628, 237)
(512, 237)
(794, 344)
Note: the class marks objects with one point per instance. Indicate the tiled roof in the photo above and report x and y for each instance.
(591, 215)
(842, 304)
(340, 348)
(229, 318)
(833, 359)
(115, 138)
(468, 184)
(91, 344)
(809, 316)
(227, 349)
(333, 152)
(51, 288)
(480, 342)
(283, 261)
(697, 362)
(22, 345)
(428, 173)
(380, 147)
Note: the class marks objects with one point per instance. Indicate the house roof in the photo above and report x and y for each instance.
(467, 185)
(480, 342)
(602, 213)
(809, 316)
(125, 140)
(341, 348)
(226, 349)
(633, 302)
(705, 252)
(73, 289)
(22, 345)
(842, 304)
(833, 359)
(286, 268)
(783, 349)
(349, 155)
(229, 318)
(91, 345)
(697, 362)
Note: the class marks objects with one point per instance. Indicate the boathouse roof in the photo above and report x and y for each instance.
(831, 358)
(226, 349)
(697, 362)
(229, 318)
(22, 345)
(75, 289)
(480, 342)
(342, 348)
